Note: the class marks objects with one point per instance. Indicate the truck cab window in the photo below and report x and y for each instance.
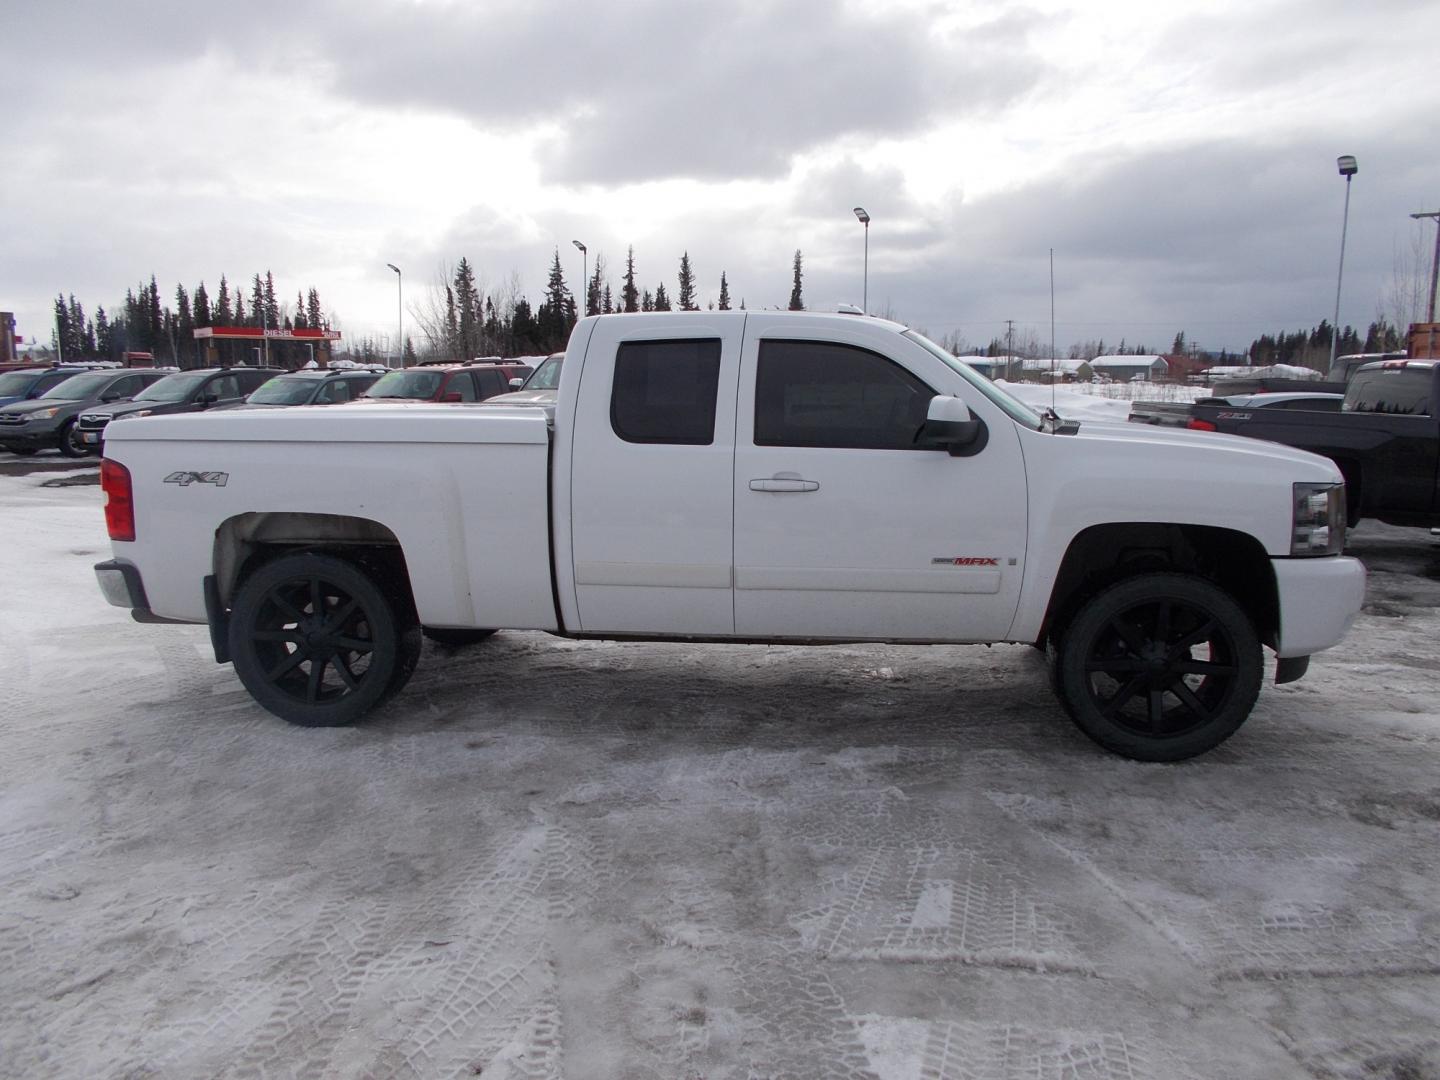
(664, 391)
(817, 393)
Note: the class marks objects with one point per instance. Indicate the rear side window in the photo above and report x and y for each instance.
(462, 384)
(1397, 391)
(817, 393)
(491, 383)
(664, 391)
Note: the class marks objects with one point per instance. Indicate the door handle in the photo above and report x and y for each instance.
(776, 483)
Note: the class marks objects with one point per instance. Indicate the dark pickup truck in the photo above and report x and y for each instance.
(1385, 438)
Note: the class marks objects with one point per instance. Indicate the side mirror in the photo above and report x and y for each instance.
(949, 426)
(107, 398)
(515, 384)
(206, 400)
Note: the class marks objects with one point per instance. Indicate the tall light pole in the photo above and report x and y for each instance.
(865, 287)
(1434, 263)
(584, 282)
(399, 315)
(1346, 164)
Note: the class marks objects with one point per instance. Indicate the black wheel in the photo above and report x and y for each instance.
(407, 660)
(315, 641)
(70, 444)
(1160, 667)
(456, 638)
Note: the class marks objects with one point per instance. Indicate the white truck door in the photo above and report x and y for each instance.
(843, 528)
(651, 466)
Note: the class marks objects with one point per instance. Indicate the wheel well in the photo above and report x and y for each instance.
(247, 542)
(1101, 555)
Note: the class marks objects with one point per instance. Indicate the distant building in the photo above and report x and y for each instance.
(7, 337)
(1127, 368)
(1044, 369)
(996, 367)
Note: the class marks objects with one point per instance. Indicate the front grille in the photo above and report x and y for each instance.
(12, 420)
(93, 422)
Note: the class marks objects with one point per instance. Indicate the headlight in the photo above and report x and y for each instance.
(1319, 520)
(133, 415)
(42, 414)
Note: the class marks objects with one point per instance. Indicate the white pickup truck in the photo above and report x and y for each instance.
(739, 477)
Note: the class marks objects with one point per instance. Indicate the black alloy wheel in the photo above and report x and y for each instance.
(316, 642)
(70, 444)
(1160, 667)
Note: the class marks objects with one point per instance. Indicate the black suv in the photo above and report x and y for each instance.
(181, 392)
(49, 420)
(331, 386)
(27, 384)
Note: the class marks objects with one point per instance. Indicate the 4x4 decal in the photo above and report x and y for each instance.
(185, 479)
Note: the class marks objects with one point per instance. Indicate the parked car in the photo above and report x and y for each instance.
(48, 422)
(180, 392)
(323, 387)
(446, 382)
(538, 389)
(28, 384)
(1186, 414)
(1385, 438)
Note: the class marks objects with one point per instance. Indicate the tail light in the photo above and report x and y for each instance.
(119, 503)
(1200, 425)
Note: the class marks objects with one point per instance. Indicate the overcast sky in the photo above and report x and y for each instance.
(1178, 157)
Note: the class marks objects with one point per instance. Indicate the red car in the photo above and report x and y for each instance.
(445, 382)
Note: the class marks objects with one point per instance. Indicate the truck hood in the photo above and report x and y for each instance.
(1209, 448)
(400, 422)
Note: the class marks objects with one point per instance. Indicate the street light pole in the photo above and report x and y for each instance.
(1434, 263)
(584, 278)
(399, 316)
(865, 287)
(1346, 164)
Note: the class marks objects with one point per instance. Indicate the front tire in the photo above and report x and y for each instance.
(1160, 667)
(316, 641)
(70, 444)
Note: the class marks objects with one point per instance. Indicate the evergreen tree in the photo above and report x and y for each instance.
(495, 331)
(104, 338)
(258, 308)
(647, 303)
(184, 325)
(524, 333)
(687, 285)
(468, 312)
(61, 337)
(662, 301)
(299, 321)
(607, 302)
(557, 311)
(240, 317)
(796, 303)
(724, 292)
(1177, 347)
(272, 309)
(201, 310)
(409, 359)
(314, 313)
(596, 288)
(224, 315)
(628, 293)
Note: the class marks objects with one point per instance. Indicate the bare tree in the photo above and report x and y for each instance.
(1406, 298)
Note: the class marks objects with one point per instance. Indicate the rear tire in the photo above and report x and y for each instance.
(316, 641)
(1160, 667)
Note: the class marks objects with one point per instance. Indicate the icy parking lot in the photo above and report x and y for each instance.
(551, 858)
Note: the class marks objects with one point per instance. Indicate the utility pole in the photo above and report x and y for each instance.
(1009, 339)
(1434, 263)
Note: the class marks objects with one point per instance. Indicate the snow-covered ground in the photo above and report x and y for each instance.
(551, 858)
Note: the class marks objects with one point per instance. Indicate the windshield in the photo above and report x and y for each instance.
(80, 387)
(284, 390)
(17, 382)
(546, 376)
(1014, 408)
(172, 387)
(406, 384)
